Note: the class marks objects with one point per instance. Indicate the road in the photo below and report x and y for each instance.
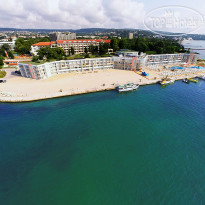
(10, 73)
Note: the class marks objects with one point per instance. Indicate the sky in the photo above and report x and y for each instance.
(77, 14)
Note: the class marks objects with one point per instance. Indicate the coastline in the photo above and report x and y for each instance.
(19, 89)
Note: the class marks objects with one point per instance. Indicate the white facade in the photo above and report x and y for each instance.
(142, 61)
(10, 43)
(34, 50)
(47, 70)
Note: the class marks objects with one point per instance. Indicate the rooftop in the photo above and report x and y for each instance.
(83, 41)
(71, 41)
(44, 43)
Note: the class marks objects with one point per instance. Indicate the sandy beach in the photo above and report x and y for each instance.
(20, 89)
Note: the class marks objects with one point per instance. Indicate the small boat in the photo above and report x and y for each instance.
(166, 81)
(202, 77)
(192, 80)
(127, 87)
(185, 80)
(133, 86)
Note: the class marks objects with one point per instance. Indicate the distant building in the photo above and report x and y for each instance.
(10, 43)
(62, 36)
(78, 45)
(131, 35)
(128, 53)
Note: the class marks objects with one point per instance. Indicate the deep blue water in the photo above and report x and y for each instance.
(144, 147)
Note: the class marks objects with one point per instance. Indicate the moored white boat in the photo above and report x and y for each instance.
(127, 87)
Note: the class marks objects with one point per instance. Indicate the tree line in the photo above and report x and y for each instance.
(147, 45)
(3, 50)
(23, 46)
(141, 44)
(49, 53)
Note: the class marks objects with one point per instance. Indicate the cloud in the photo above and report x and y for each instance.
(72, 14)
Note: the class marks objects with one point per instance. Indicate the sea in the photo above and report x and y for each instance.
(196, 46)
(143, 147)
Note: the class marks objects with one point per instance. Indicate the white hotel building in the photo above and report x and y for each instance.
(47, 70)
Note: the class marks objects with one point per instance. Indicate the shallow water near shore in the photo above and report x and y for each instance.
(143, 147)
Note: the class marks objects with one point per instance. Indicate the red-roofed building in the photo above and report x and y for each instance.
(35, 47)
(78, 45)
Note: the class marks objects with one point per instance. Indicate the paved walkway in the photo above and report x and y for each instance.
(10, 73)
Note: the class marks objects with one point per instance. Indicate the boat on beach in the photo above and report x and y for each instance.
(127, 87)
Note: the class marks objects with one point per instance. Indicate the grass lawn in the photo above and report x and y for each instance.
(74, 57)
(37, 63)
(2, 74)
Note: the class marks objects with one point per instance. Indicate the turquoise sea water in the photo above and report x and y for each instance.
(196, 67)
(144, 147)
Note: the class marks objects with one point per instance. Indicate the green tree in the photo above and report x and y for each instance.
(123, 44)
(51, 53)
(72, 51)
(114, 44)
(2, 52)
(159, 50)
(86, 50)
(91, 49)
(6, 47)
(10, 54)
(87, 55)
(35, 58)
(1, 61)
(103, 48)
(23, 46)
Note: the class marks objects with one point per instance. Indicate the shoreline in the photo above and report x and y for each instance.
(79, 83)
(34, 99)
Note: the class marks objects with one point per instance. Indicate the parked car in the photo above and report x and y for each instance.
(17, 72)
(2, 81)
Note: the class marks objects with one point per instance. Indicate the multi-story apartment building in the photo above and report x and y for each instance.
(78, 45)
(47, 70)
(62, 36)
(131, 35)
(153, 61)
